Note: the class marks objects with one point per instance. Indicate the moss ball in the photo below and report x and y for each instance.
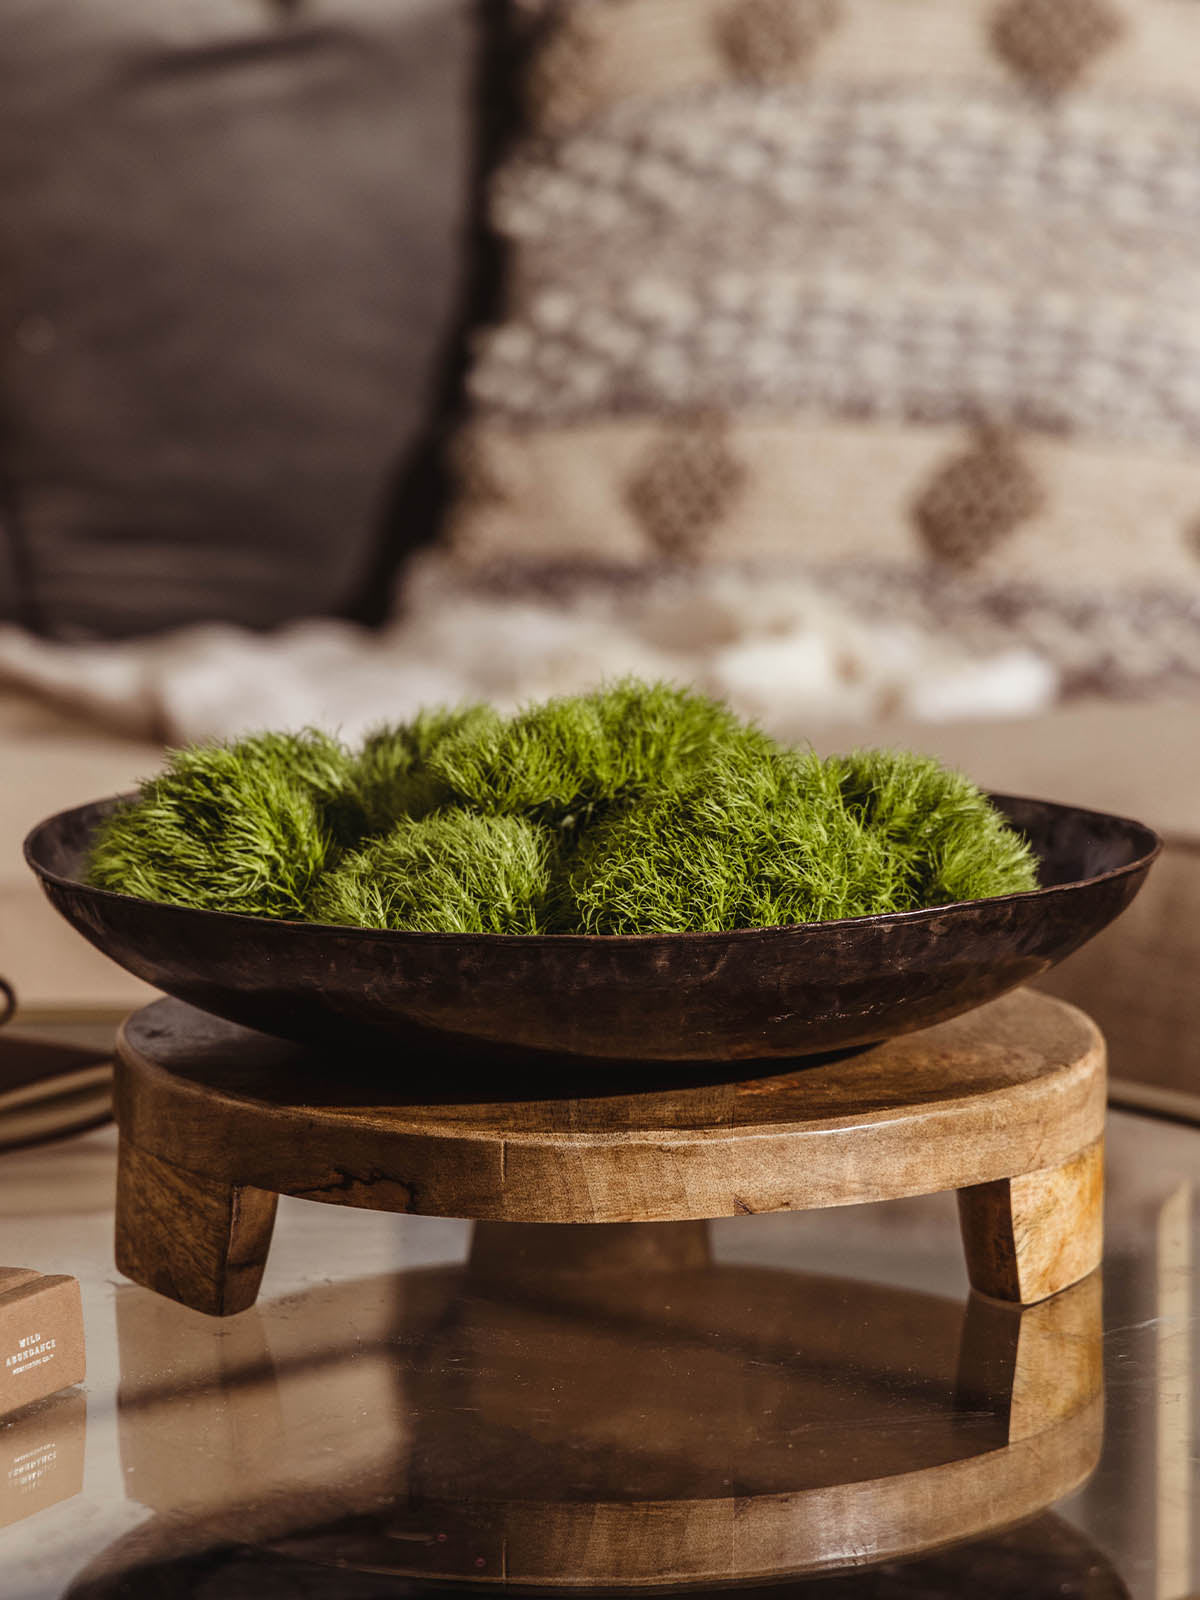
(953, 842)
(449, 872)
(568, 759)
(229, 827)
(799, 840)
(390, 776)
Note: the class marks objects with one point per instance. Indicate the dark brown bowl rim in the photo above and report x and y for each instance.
(411, 936)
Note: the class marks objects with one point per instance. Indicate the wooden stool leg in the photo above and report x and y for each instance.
(1028, 1237)
(191, 1238)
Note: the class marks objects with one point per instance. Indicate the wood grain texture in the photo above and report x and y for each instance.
(1014, 1087)
(192, 1238)
(1029, 1236)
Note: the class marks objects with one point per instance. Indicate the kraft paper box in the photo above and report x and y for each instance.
(41, 1336)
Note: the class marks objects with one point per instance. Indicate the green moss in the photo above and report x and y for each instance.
(799, 840)
(390, 776)
(451, 872)
(567, 759)
(640, 808)
(953, 842)
(229, 827)
(730, 850)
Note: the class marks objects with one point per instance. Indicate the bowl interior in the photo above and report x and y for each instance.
(1074, 845)
(61, 845)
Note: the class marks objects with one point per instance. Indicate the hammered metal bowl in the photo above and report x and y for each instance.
(754, 995)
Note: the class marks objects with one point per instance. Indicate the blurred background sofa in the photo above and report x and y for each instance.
(839, 355)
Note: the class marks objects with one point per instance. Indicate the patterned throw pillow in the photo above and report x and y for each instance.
(897, 298)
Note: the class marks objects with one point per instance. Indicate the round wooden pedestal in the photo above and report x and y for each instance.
(1005, 1105)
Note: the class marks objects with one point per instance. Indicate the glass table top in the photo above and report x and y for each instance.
(778, 1400)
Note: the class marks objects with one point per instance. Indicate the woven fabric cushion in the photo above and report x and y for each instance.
(1138, 979)
(897, 300)
(231, 253)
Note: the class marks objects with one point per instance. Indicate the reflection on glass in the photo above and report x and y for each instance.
(41, 1456)
(606, 1408)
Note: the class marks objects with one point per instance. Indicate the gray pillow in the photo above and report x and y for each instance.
(230, 267)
